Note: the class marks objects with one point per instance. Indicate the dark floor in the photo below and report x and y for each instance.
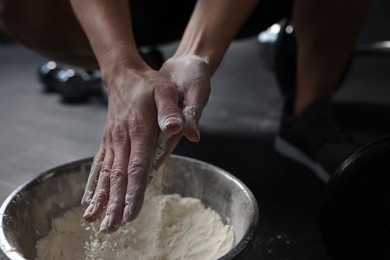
(39, 132)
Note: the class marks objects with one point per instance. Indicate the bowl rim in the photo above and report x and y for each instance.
(9, 252)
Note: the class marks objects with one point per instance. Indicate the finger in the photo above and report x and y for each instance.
(118, 181)
(164, 148)
(170, 118)
(91, 183)
(102, 191)
(191, 116)
(140, 165)
(195, 99)
(93, 177)
(160, 149)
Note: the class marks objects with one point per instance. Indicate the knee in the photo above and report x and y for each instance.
(46, 26)
(19, 21)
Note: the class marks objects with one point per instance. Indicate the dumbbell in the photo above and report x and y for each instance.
(77, 86)
(74, 86)
(355, 214)
(47, 75)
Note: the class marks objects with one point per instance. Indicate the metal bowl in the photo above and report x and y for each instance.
(27, 213)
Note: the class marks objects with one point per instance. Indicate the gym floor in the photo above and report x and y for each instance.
(39, 132)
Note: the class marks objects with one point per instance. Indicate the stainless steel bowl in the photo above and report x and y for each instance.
(27, 213)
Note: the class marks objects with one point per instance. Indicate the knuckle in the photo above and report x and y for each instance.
(135, 127)
(105, 171)
(138, 171)
(119, 135)
(100, 196)
(115, 203)
(117, 174)
(141, 125)
(136, 166)
(168, 110)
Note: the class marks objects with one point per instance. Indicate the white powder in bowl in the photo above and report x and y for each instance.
(168, 227)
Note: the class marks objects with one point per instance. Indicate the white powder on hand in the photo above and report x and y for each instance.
(168, 227)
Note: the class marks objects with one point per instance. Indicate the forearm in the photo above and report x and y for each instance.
(107, 24)
(212, 27)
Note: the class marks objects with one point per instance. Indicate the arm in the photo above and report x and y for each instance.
(141, 104)
(109, 30)
(211, 29)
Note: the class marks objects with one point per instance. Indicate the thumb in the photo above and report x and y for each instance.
(191, 116)
(170, 118)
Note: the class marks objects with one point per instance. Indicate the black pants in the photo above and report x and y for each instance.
(163, 21)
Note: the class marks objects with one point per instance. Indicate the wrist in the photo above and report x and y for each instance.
(115, 67)
(184, 57)
(203, 48)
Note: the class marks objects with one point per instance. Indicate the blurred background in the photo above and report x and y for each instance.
(40, 130)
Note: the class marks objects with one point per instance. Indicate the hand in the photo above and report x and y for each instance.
(142, 104)
(191, 75)
(134, 145)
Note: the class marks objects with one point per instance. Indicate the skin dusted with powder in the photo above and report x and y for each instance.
(164, 142)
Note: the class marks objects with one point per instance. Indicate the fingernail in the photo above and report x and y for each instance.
(88, 211)
(127, 213)
(172, 122)
(194, 137)
(197, 134)
(104, 226)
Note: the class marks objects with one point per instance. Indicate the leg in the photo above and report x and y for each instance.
(326, 32)
(50, 28)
